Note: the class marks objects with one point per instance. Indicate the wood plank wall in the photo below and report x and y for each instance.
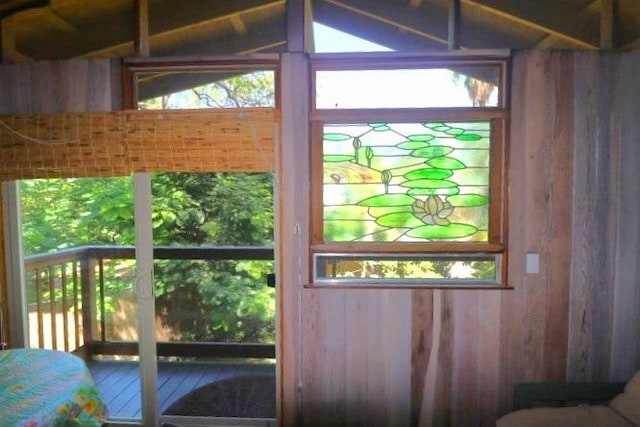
(604, 327)
(73, 86)
(441, 358)
(437, 357)
(625, 345)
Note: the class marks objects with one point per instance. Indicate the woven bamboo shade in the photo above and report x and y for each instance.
(119, 143)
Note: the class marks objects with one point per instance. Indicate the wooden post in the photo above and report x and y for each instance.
(141, 28)
(89, 312)
(607, 24)
(295, 25)
(292, 250)
(454, 25)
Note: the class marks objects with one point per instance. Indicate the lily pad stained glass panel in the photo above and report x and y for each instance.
(406, 182)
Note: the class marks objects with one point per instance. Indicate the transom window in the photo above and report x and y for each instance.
(408, 172)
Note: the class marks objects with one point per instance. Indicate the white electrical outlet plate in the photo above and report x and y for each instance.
(532, 264)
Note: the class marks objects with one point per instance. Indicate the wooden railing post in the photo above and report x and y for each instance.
(89, 311)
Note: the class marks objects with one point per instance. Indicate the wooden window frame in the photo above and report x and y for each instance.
(498, 181)
(132, 67)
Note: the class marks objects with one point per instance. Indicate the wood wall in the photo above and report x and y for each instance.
(451, 357)
(73, 86)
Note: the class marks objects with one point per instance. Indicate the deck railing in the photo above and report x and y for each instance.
(68, 304)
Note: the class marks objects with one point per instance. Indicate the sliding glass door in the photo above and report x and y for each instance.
(80, 287)
(215, 311)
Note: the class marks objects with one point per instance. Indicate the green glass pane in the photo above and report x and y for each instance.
(412, 145)
(469, 137)
(400, 219)
(440, 232)
(454, 131)
(387, 181)
(430, 152)
(423, 137)
(429, 183)
(388, 200)
(467, 200)
(378, 125)
(446, 163)
(336, 137)
(428, 173)
(416, 192)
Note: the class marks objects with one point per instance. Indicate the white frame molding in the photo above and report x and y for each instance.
(14, 261)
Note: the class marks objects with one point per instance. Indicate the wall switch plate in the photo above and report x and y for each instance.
(532, 264)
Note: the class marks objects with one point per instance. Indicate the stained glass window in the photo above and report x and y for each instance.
(408, 179)
(406, 182)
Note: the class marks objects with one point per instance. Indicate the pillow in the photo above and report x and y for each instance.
(627, 403)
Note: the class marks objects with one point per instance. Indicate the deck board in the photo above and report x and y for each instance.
(119, 381)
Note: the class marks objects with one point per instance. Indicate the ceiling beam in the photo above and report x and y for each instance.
(57, 22)
(382, 16)
(374, 31)
(454, 24)
(141, 27)
(537, 17)
(238, 24)
(178, 18)
(295, 25)
(115, 36)
(608, 24)
(408, 29)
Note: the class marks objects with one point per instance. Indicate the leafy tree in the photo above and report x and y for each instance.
(199, 300)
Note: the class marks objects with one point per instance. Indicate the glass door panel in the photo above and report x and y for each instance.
(215, 313)
(79, 270)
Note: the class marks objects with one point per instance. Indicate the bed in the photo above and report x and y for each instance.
(47, 388)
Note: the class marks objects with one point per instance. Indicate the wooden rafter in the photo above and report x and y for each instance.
(607, 24)
(141, 29)
(388, 21)
(454, 24)
(58, 22)
(501, 9)
(238, 24)
(165, 23)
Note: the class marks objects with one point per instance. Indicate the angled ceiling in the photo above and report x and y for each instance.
(63, 29)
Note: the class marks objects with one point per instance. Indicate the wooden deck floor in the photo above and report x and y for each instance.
(119, 382)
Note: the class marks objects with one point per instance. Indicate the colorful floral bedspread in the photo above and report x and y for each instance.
(47, 388)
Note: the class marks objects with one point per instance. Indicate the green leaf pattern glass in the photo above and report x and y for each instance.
(406, 182)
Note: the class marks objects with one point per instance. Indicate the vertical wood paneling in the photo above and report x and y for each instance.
(292, 190)
(534, 315)
(356, 353)
(78, 85)
(595, 196)
(625, 350)
(451, 357)
(421, 343)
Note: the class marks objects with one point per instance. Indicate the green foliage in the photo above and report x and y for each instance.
(254, 89)
(198, 300)
(65, 213)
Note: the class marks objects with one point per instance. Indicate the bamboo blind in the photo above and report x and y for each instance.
(119, 143)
